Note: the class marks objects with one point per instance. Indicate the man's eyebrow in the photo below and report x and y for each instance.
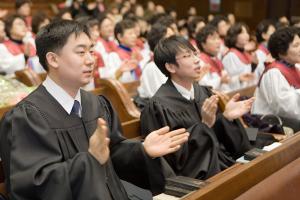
(84, 46)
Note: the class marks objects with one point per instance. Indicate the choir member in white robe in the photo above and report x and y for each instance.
(237, 62)
(209, 43)
(152, 78)
(125, 63)
(14, 51)
(264, 30)
(278, 91)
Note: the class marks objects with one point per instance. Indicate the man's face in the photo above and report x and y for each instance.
(188, 66)
(25, 10)
(293, 53)
(107, 29)
(212, 44)
(18, 29)
(128, 38)
(75, 61)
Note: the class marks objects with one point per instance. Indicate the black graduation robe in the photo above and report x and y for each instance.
(45, 152)
(208, 150)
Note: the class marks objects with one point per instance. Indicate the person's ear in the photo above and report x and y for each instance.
(52, 59)
(170, 67)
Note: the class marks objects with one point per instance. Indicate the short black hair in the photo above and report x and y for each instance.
(261, 28)
(192, 25)
(20, 3)
(156, 33)
(88, 21)
(280, 40)
(54, 36)
(217, 19)
(233, 32)
(202, 36)
(37, 19)
(122, 26)
(167, 49)
(9, 20)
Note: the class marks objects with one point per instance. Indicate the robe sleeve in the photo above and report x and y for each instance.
(130, 160)
(34, 165)
(277, 95)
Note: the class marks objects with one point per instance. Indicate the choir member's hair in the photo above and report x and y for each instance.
(20, 3)
(261, 28)
(192, 25)
(122, 26)
(88, 21)
(217, 19)
(166, 20)
(9, 20)
(167, 49)
(61, 13)
(202, 36)
(280, 40)
(54, 36)
(233, 32)
(156, 33)
(37, 20)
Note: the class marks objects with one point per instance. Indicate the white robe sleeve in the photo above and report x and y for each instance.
(10, 63)
(235, 67)
(211, 79)
(276, 96)
(151, 80)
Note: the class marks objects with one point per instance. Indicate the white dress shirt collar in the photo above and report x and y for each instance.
(188, 94)
(63, 98)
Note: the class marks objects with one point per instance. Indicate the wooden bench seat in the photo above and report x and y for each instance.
(231, 185)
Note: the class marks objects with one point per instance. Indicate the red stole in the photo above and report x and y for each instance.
(214, 63)
(16, 49)
(109, 46)
(264, 49)
(291, 74)
(243, 56)
(128, 55)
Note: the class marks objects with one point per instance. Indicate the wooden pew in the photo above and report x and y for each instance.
(231, 185)
(28, 77)
(119, 97)
(248, 91)
(132, 87)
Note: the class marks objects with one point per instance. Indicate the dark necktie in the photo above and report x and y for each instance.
(76, 108)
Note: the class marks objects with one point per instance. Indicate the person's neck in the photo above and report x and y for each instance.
(184, 83)
(16, 39)
(70, 89)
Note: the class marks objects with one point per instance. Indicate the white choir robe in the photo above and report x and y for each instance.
(112, 65)
(235, 67)
(10, 63)
(151, 80)
(276, 96)
(262, 57)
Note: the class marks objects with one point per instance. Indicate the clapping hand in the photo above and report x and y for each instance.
(163, 141)
(235, 109)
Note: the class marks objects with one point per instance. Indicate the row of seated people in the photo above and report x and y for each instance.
(127, 61)
(182, 42)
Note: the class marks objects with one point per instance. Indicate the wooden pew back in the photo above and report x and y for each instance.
(238, 181)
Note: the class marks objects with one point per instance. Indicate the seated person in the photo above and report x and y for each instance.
(14, 52)
(152, 78)
(209, 43)
(124, 63)
(56, 143)
(278, 90)
(216, 139)
(238, 62)
(106, 42)
(264, 30)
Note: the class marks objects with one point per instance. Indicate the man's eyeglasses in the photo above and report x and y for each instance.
(188, 54)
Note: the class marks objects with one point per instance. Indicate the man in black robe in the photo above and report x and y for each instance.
(56, 143)
(216, 138)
